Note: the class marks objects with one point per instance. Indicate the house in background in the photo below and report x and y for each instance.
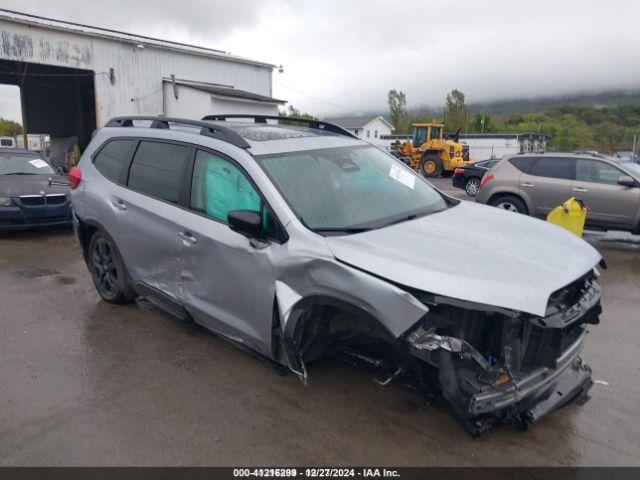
(370, 128)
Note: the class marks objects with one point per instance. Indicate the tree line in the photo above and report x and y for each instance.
(571, 127)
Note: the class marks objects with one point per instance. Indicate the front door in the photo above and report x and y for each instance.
(610, 204)
(227, 280)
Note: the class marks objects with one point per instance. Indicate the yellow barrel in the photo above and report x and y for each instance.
(571, 215)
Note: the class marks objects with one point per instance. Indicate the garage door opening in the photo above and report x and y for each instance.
(59, 101)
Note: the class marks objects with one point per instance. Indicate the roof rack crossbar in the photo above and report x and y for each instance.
(310, 123)
(206, 128)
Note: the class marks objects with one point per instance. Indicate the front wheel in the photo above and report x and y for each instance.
(108, 270)
(431, 166)
(510, 203)
(472, 186)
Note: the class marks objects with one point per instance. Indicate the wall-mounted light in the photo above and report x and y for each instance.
(112, 76)
(140, 47)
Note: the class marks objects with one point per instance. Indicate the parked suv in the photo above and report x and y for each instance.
(302, 241)
(535, 184)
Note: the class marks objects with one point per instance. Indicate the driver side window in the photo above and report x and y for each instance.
(597, 172)
(219, 187)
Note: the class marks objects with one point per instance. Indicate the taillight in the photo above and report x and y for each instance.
(458, 171)
(75, 177)
(486, 179)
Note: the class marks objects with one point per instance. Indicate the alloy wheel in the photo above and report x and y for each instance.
(104, 267)
(472, 187)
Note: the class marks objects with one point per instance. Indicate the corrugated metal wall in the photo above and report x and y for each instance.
(137, 89)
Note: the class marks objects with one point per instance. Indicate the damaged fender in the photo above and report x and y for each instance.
(326, 282)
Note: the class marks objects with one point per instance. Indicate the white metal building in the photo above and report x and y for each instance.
(370, 128)
(74, 77)
(483, 146)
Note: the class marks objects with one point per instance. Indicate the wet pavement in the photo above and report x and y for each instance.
(83, 382)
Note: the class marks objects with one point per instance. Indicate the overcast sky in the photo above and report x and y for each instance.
(341, 57)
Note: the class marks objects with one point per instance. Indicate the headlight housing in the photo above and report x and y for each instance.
(6, 202)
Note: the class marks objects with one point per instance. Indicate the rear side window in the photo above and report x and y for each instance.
(523, 163)
(553, 168)
(157, 168)
(112, 157)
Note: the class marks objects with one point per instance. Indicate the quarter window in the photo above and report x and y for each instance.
(112, 157)
(157, 168)
(597, 172)
(522, 163)
(552, 168)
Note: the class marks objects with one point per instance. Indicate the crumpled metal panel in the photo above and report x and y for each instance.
(473, 252)
(306, 272)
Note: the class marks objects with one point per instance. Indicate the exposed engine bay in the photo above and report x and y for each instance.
(486, 365)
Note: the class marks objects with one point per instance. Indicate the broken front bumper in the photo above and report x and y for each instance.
(571, 373)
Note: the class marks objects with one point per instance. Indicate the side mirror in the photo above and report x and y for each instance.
(627, 181)
(246, 222)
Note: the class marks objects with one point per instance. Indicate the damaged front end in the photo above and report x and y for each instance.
(485, 364)
(507, 366)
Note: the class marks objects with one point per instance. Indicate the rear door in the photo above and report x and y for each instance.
(147, 211)
(547, 184)
(610, 204)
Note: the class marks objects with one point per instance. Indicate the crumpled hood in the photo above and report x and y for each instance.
(16, 185)
(473, 252)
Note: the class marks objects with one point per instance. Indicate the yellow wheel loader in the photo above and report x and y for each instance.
(430, 153)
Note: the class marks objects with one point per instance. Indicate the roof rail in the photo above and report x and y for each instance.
(311, 123)
(589, 152)
(206, 128)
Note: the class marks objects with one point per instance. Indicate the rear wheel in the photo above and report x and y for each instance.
(108, 270)
(431, 166)
(472, 186)
(510, 203)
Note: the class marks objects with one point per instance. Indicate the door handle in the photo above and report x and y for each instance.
(528, 185)
(119, 204)
(188, 237)
(579, 189)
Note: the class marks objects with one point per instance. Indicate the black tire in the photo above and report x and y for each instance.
(510, 203)
(107, 269)
(472, 186)
(431, 166)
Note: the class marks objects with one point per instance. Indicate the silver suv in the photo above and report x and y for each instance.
(297, 241)
(537, 183)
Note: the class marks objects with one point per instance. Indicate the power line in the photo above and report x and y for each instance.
(317, 98)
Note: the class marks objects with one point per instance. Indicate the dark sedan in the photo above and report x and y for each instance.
(468, 177)
(32, 193)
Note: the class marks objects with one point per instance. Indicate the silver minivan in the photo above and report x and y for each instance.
(537, 183)
(299, 240)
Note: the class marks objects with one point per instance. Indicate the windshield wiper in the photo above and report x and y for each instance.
(342, 230)
(21, 173)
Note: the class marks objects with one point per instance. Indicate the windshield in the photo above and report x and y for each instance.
(634, 168)
(349, 188)
(11, 164)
